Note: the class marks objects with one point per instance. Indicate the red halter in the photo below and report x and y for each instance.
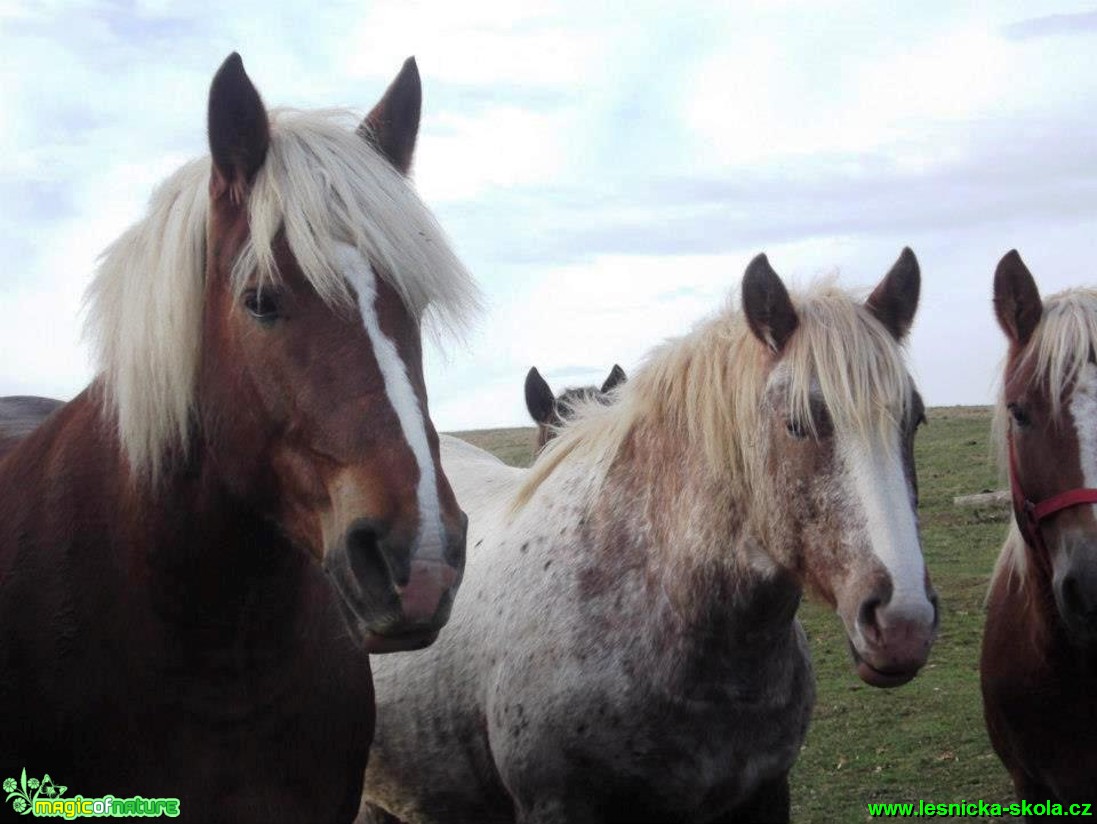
(1030, 514)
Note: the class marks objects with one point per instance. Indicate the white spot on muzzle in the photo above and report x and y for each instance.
(360, 275)
(880, 484)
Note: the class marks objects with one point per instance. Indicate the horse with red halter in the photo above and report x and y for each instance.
(198, 552)
(549, 410)
(1039, 659)
(625, 647)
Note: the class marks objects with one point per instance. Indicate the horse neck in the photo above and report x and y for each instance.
(710, 585)
(198, 558)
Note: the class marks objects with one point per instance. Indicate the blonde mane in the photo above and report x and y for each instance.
(708, 387)
(320, 182)
(1064, 341)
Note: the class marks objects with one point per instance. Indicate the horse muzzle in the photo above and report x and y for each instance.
(397, 594)
(1075, 586)
(890, 645)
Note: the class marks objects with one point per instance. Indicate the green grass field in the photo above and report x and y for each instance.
(925, 740)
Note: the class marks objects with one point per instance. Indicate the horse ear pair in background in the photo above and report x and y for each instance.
(549, 410)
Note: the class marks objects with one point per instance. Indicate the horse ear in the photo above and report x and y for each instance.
(239, 133)
(1016, 299)
(616, 378)
(393, 125)
(539, 398)
(895, 300)
(769, 310)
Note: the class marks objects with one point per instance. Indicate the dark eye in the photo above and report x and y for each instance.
(796, 428)
(262, 304)
(1019, 415)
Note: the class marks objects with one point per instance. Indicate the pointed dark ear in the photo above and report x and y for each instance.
(393, 125)
(616, 377)
(539, 398)
(238, 130)
(1016, 299)
(895, 299)
(769, 310)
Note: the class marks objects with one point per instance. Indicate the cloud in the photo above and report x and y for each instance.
(1052, 25)
(462, 157)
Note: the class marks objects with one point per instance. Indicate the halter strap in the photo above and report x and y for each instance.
(1029, 514)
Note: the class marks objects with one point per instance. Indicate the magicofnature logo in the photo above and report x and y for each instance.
(43, 798)
(22, 794)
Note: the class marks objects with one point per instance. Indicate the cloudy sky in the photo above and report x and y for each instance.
(606, 170)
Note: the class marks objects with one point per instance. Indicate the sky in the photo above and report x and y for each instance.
(605, 170)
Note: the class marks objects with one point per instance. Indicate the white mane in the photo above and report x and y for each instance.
(708, 386)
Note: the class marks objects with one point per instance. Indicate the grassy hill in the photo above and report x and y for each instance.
(925, 740)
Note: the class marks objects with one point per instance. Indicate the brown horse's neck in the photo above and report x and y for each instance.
(184, 555)
(156, 637)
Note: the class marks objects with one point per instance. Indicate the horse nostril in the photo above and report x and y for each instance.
(365, 561)
(362, 536)
(1077, 600)
(1072, 599)
(373, 552)
(868, 618)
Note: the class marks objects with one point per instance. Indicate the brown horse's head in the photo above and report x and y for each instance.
(288, 276)
(839, 412)
(1047, 420)
(549, 411)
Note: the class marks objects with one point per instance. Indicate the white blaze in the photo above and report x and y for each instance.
(879, 479)
(360, 275)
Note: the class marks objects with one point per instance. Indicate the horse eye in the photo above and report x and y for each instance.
(262, 305)
(796, 428)
(1019, 415)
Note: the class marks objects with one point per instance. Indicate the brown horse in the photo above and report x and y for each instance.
(549, 411)
(199, 551)
(1039, 661)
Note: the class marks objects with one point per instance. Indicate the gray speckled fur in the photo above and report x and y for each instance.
(542, 701)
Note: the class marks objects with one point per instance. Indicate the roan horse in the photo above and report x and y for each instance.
(625, 647)
(549, 410)
(259, 419)
(1039, 661)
